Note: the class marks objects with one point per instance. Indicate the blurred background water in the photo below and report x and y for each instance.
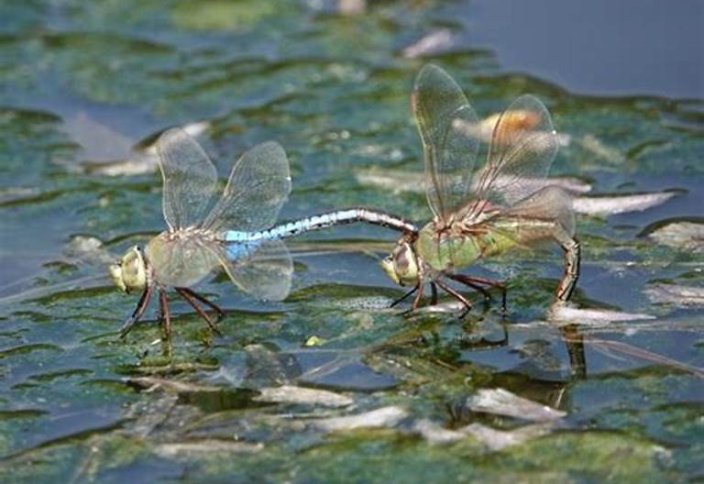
(87, 87)
(599, 48)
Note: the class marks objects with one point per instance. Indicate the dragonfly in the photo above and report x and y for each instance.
(481, 209)
(233, 231)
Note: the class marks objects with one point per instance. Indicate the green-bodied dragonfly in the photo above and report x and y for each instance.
(485, 209)
(234, 231)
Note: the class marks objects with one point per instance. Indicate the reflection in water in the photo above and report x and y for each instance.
(574, 341)
(65, 407)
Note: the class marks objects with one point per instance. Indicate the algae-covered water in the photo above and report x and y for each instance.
(331, 384)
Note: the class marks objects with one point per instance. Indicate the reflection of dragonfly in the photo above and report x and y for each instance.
(503, 211)
(233, 232)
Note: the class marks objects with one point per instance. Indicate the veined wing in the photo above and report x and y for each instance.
(182, 258)
(519, 154)
(543, 215)
(262, 268)
(442, 113)
(547, 204)
(258, 186)
(190, 179)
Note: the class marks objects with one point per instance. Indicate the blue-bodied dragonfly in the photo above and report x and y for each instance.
(485, 209)
(234, 231)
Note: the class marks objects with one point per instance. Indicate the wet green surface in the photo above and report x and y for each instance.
(333, 90)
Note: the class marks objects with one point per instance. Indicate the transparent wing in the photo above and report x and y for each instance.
(190, 179)
(523, 146)
(259, 185)
(443, 114)
(180, 260)
(262, 268)
(546, 214)
(548, 204)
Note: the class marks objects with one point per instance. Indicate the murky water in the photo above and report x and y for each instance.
(329, 384)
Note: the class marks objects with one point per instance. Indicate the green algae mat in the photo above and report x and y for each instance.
(331, 384)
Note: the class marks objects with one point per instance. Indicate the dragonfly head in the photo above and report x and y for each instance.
(402, 264)
(130, 272)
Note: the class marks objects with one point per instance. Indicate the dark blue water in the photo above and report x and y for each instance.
(601, 47)
(334, 91)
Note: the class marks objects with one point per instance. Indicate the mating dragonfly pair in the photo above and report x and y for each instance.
(479, 210)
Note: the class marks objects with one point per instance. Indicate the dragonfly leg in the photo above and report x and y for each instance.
(165, 313)
(405, 296)
(138, 311)
(190, 297)
(467, 304)
(473, 282)
(433, 293)
(419, 294)
(573, 251)
(202, 299)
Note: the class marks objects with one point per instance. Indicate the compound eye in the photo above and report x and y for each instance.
(132, 267)
(401, 258)
(133, 270)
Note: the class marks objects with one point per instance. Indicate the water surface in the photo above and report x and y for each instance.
(85, 82)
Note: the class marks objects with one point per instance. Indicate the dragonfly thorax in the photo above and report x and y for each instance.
(182, 258)
(449, 248)
(193, 233)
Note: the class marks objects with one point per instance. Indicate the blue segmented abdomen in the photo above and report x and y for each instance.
(241, 250)
(240, 244)
(293, 228)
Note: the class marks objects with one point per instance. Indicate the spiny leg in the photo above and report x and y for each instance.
(419, 294)
(573, 251)
(405, 296)
(165, 315)
(202, 299)
(468, 281)
(188, 296)
(473, 281)
(138, 311)
(467, 304)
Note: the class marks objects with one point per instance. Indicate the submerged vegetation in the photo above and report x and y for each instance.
(331, 382)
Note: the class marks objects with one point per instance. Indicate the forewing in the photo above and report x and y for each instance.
(443, 114)
(190, 179)
(260, 268)
(523, 146)
(179, 260)
(259, 185)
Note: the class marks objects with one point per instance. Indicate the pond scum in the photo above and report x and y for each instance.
(312, 369)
